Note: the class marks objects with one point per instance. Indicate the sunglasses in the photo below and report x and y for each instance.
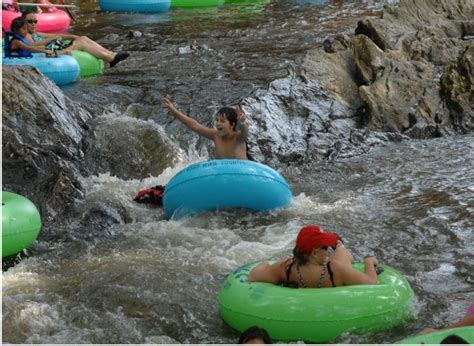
(31, 21)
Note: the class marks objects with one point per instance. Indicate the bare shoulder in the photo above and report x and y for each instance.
(266, 272)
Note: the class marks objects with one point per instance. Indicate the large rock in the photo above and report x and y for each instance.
(406, 74)
(50, 142)
(399, 60)
(42, 131)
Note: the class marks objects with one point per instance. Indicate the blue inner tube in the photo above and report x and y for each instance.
(144, 6)
(62, 70)
(222, 184)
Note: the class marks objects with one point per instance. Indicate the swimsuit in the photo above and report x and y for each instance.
(326, 268)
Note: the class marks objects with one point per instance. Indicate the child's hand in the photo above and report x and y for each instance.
(240, 114)
(167, 104)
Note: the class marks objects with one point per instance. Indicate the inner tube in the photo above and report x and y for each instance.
(143, 6)
(21, 223)
(222, 184)
(466, 333)
(315, 314)
(55, 21)
(62, 70)
(196, 3)
(89, 65)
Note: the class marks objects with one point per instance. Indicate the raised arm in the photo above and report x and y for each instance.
(350, 276)
(188, 121)
(242, 125)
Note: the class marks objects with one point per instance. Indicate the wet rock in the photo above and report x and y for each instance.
(42, 131)
(134, 34)
(370, 29)
(50, 143)
(144, 147)
(456, 88)
(408, 73)
(398, 62)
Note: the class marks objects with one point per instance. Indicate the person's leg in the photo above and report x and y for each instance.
(85, 44)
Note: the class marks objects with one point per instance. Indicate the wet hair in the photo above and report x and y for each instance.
(17, 24)
(453, 339)
(300, 257)
(230, 114)
(253, 333)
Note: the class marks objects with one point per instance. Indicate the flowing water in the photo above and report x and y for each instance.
(143, 279)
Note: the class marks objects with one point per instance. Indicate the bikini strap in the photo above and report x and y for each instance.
(299, 276)
(331, 274)
(323, 272)
(288, 271)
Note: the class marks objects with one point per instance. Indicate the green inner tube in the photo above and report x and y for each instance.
(315, 315)
(89, 64)
(467, 333)
(196, 3)
(21, 223)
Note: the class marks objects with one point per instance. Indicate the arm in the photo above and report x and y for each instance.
(266, 272)
(188, 121)
(466, 321)
(242, 125)
(20, 45)
(46, 38)
(350, 276)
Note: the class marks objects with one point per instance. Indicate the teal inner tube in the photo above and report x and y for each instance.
(467, 333)
(315, 314)
(225, 184)
(89, 65)
(21, 223)
(62, 70)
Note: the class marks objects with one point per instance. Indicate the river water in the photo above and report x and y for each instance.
(143, 279)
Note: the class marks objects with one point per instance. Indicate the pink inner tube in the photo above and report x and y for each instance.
(55, 21)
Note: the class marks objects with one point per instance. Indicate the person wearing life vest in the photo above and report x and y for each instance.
(16, 44)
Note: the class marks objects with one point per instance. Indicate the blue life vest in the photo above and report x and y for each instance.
(15, 53)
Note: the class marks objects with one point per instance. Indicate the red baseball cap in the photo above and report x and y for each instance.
(312, 237)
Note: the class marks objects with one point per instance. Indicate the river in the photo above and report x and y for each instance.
(144, 279)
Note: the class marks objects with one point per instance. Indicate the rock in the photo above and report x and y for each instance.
(143, 146)
(457, 91)
(51, 142)
(370, 29)
(134, 34)
(408, 73)
(42, 131)
(369, 60)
